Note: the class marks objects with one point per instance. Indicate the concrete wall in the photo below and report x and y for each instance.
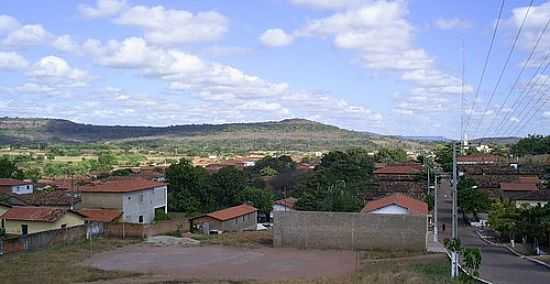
(69, 219)
(101, 200)
(19, 189)
(332, 230)
(43, 239)
(143, 203)
(126, 230)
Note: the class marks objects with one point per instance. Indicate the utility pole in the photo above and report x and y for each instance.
(435, 210)
(454, 254)
(428, 179)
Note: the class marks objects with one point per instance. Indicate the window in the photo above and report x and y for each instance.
(129, 197)
(24, 229)
(63, 226)
(140, 219)
(141, 197)
(28, 187)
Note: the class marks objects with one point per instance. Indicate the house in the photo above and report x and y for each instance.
(237, 218)
(532, 199)
(477, 159)
(139, 199)
(403, 178)
(57, 198)
(399, 170)
(286, 204)
(396, 204)
(101, 215)
(16, 186)
(28, 220)
(518, 187)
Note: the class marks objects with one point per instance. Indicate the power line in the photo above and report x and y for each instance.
(516, 81)
(485, 64)
(525, 122)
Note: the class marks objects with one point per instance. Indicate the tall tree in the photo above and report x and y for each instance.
(391, 155)
(470, 198)
(8, 169)
(226, 185)
(188, 187)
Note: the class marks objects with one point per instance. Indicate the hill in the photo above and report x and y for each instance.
(289, 134)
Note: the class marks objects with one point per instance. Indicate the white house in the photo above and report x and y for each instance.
(16, 186)
(396, 204)
(286, 204)
(140, 200)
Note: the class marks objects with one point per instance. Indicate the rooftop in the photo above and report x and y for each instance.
(414, 206)
(100, 215)
(121, 185)
(289, 202)
(13, 182)
(478, 158)
(34, 214)
(400, 169)
(516, 186)
(232, 212)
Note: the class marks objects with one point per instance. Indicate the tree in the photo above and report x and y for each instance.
(471, 258)
(226, 185)
(188, 187)
(257, 197)
(106, 160)
(470, 199)
(390, 155)
(444, 156)
(532, 145)
(268, 172)
(503, 218)
(8, 169)
(281, 164)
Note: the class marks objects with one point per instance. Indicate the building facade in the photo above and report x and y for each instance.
(29, 220)
(16, 186)
(231, 219)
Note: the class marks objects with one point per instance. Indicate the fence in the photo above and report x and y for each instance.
(355, 231)
(43, 239)
(126, 230)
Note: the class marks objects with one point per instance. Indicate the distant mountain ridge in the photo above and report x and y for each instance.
(292, 133)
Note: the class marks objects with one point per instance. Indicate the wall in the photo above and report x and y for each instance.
(143, 203)
(101, 200)
(22, 189)
(69, 219)
(43, 239)
(232, 225)
(333, 230)
(391, 209)
(142, 231)
(530, 203)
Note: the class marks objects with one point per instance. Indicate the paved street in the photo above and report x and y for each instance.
(498, 265)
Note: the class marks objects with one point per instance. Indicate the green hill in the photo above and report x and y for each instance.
(289, 134)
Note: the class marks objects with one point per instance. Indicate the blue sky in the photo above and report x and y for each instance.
(391, 67)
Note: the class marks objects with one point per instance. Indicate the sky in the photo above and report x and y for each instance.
(390, 67)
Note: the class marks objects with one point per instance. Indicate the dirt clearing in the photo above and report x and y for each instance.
(226, 263)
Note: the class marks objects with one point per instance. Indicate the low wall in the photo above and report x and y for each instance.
(350, 231)
(127, 230)
(43, 239)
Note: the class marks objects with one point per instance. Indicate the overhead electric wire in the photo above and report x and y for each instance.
(504, 67)
(522, 125)
(516, 81)
(485, 64)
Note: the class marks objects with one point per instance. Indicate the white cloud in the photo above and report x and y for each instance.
(452, 23)
(103, 8)
(275, 38)
(65, 43)
(546, 114)
(26, 35)
(56, 72)
(514, 119)
(8, 23)
(168, 27)
(12, 61)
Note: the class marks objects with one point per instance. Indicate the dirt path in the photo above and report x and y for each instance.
(226, 263)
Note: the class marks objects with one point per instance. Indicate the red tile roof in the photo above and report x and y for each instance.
(232, 212)
(13, 182)
(529, 179)
(100, 215)
(414, 206)
(478, 159)
(410, 169)
(122, 185)
(288, 202)
(50, 198)
(516, 186)
(38, 214)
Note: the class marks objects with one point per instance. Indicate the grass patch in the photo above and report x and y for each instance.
(378, 254)
(59, 264)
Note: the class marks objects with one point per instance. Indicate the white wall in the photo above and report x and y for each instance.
(143, 203)
(391, 209)
(277, 207)
(530, 203)
(22, 189)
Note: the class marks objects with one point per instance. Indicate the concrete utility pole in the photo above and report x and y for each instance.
(455, 182)
(428, 179)
(435, 210)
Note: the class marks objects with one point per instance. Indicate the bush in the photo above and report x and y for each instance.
(161, 216)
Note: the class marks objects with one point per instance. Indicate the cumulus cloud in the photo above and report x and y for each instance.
(103, 8)
(65, 43)
(12, 61)
(26, 35)
(452, 23)
(327, 4)
(55, 73)
(8, 23)
(168, 27)
(275, 38)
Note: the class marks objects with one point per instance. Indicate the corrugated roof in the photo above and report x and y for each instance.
(232, 212)
(13, 182)
(287, 202)
(36, 214)
(100, 215)
(414, 206)
(122, 185)
(516, 186)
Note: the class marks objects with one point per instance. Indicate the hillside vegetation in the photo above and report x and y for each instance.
(290, 134)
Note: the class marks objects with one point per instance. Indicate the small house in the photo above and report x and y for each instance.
(15, 186)
(532, 199)
(29, 220)
(396, 204)
(237, 218)
(287, 204)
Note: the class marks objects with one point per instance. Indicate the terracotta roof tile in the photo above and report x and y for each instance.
(411, 169)
(39, 214)
(414, 206)
(483, 159)
(529, 179)
(13, 182)
(100, 215)
(50, 198)
(122, 185)
(232, 212)
(516, 186)
(288, 202)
